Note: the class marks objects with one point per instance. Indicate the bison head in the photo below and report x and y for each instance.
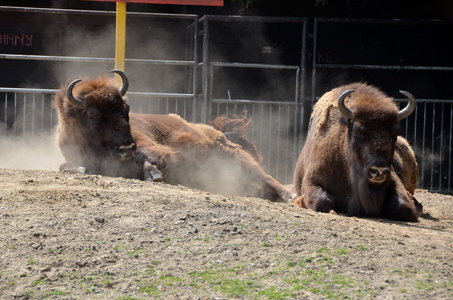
(372, 133)
(103, 116)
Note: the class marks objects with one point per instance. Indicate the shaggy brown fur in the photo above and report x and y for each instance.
(332, 172)
(236, 129)
(168, 147)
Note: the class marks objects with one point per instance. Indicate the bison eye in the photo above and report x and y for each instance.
(93, 117)
(93, 121)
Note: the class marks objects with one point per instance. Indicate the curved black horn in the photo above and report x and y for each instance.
(342, 107)
(405, 112)
(125, 85)
(73, 100)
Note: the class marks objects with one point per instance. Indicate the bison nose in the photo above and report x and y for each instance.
(126, 152)
(378, 174)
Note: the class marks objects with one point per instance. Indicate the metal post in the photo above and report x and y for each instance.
(120, 41)
(204, 113)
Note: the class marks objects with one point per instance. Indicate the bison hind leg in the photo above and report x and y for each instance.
(418, 207)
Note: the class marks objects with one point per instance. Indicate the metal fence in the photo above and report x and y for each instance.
(26, 112)
(275, 82)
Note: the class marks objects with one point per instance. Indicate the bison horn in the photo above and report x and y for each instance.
(405, 112)
(342, 107)
(73, 100)
(125, 86)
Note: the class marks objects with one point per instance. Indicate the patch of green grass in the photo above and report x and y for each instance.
(150, 290)
(156, 262)
(321, 282)
(50, 294)
(127, 298)
(31, 261)
(37, 282)
(362, 248)
(28, 294)
(421, 285)
(121, 247)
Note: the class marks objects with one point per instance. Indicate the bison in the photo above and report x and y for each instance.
(97, 132)
(353, 160)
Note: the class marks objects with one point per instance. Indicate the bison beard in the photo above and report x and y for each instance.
(353, 161)
(97, 132)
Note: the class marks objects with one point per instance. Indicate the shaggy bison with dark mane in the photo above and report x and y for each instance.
(98, 133)
(353, 160)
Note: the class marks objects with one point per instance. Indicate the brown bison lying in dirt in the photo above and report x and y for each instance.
(353, 160)
(97, 132)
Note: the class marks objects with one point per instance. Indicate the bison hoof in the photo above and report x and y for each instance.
(67, 167)
(157, 177)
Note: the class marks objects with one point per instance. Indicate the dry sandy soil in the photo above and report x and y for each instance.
(69, 236)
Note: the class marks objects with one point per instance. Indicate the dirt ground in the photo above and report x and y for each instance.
(68, 236)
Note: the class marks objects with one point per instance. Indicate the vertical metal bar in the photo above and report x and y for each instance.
(6, 113)
(51, 115)
(205, 69)
(450, 148)
(120, 37)
(300, 137)
(441, 145)
(42, 111)
(303, 61)
(33, 115)
(423, 145)
(294, 145)
(313, 76)
(269, 144)
(210, 88)
(15, 114)
(195, 69)
(24, 112)
(279, 124)
(415, 127)
(432, 147)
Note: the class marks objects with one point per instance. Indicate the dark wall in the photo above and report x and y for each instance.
(387, 9)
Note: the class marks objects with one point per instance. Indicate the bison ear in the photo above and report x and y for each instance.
(405, 112)
(77, 103)
(125, 85)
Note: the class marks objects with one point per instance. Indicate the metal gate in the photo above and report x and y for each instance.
(273, 68)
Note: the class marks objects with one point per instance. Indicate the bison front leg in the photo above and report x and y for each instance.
(316, 198)
(151, 162)
(400, 205)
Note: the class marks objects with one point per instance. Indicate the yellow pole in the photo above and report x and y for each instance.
(120, 45)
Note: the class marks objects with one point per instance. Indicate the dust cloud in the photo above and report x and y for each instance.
(39, 152)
